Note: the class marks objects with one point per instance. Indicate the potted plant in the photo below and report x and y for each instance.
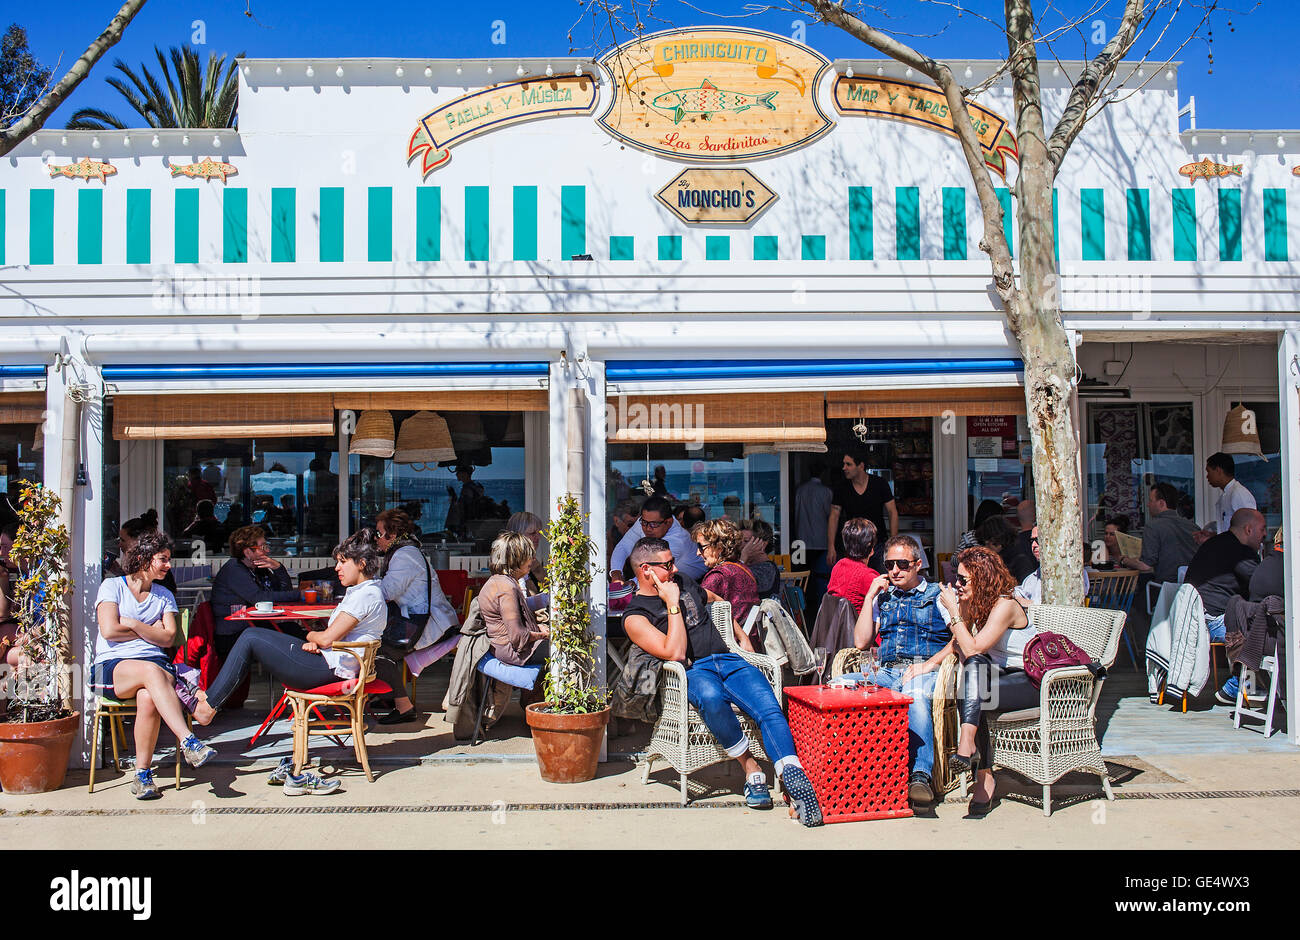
(37, 732)
(569, 724)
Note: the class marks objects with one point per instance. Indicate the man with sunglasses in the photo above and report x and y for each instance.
(903, 610)
(668, 618)
(657, 522)
(1030, 591)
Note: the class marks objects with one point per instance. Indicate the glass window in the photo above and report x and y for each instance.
(998, 467)
(1263, 476)
(465, 503)
(18, 461)
(1131, 447)
(287, 485)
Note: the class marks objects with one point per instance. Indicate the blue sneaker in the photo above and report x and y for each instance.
(1228, 694)
(799, 791)
(757, 795)
(143, 787)
(196, 752)
(281, 773)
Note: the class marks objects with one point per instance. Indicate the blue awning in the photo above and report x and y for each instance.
(22, 371)
(676, 370)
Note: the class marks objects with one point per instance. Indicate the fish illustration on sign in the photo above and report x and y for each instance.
(1295, 171)
(1207, 169)
(707, 98)
(205, 169)
(85, 169)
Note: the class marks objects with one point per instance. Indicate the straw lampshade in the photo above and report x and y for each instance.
(424, 438)
(1241, 433)
(374, 434)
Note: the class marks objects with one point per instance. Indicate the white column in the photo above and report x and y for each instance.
(140, 478)
(537, 477)
(1289, 413)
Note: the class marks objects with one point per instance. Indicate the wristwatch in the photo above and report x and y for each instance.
(674, 610)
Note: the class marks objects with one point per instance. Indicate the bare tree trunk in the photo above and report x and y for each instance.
(40, 112)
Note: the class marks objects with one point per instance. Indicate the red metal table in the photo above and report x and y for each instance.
(853, 746)
(286, 612)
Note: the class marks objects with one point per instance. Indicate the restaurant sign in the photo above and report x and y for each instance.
(705, 196)
(496, 107)
(926, 106)
(723, 94)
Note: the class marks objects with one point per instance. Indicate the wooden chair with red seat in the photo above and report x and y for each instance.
(348, 695)
(454, 584)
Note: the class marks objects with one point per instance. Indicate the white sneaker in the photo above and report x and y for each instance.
(309, 784)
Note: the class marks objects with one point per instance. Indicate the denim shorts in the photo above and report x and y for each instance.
(101, 674)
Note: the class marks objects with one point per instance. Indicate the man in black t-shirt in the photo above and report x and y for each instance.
(1223, 565)
(862, 495)
(668, 617)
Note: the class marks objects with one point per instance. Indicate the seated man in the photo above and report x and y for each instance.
(669, 619)
(904, 610)
(1030, 590)
(1168, 541)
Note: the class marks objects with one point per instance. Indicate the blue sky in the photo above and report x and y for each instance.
(1251, 86)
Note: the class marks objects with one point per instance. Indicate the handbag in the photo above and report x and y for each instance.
(1048, 650)
(401, 631)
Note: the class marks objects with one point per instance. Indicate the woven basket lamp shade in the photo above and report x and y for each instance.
(374, 434)
(425, 439)
(1241, 433)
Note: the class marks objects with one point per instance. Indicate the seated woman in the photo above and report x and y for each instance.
(719, 544)
(530, 526)
(517, 638)
(407, 586)
(1117, 525)
(248, 578)
(137, 622)
(852, 575)
(989, 633)
(996, 534)
(756, 538)
(987, 509)
(127, 536)
(361, 616)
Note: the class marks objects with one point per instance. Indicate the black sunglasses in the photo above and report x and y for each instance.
(661, 564)
(962, 580)
(648, 524)
(892, 563)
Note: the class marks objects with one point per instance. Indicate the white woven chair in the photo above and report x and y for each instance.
(680, 736)
(1060, 735)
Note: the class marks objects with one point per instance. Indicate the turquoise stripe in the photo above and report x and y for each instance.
(1184, 224)
(1139, 225)
(1056, 227)
(717, 248)
(525, 223)
(621, 248)
(139, 226)
(1004, 197)
(234, 226)
(670, 248)
(1092, 212)
(331, 223)
(907, 218)
(185, 249)
(573, 221)
(861, 225)
(812, 248)
(379, 223)
(284, 224)
(954, 223)
(90, 226)
(1275, 247)
(765, 247)
(428, 223)
(476, 223)
(40, 226)
(1229, 224)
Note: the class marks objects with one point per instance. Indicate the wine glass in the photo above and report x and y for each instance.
(871, 665)
(820, 655)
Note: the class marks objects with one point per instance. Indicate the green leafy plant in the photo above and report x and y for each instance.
(571, 685)
(42, 687)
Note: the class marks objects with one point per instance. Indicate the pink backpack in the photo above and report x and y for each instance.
(1046, 651)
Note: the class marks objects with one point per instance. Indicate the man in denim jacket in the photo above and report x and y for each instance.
(903, 609)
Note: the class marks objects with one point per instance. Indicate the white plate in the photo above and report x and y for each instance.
(264, 613)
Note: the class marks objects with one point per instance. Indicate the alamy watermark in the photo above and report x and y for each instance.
(240, 294)
(671, 421)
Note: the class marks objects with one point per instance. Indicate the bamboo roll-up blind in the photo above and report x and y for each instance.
(925, 402)
(736, 419)
(22, 407)
(189, 417)
(481, 400)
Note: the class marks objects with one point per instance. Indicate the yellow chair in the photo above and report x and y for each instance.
(782, 561)
(113, 710)
(464, 607)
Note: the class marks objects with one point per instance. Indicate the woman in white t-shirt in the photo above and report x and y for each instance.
(362, 615)
(137, 622)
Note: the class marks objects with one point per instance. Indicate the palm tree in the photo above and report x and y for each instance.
(187, 96)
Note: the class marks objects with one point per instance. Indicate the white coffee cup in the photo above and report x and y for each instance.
(265, 607)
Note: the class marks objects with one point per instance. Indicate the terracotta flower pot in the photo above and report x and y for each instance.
(568, 746)
(34, 756)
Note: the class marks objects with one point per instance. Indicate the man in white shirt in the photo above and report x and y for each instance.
(1220, 473)
(657, 522)
(1030, 591)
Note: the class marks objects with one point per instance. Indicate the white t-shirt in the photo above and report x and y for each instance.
(1031, 589)
(150, 611)
(365, 602)
(1234, 496)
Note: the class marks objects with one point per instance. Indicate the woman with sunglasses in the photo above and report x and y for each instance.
(989, 632)
(718, 542)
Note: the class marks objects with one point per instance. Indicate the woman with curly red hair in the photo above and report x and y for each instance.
(989, 632)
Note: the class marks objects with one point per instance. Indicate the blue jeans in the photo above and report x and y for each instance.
(1218, 629)
(715, 683)
(920, 718)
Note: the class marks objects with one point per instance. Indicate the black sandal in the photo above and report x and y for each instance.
(395, 717)
(960, 764)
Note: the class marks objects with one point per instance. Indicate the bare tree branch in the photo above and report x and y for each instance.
(40, 112)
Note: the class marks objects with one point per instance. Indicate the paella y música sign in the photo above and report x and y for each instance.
(720, 94)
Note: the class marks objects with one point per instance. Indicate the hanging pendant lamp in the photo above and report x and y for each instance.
(1241, 433)
(374, 434)
(424, 438)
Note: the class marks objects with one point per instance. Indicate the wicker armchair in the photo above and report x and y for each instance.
(347, 695)
(680, 736)
(1059, 736)
(947, 720)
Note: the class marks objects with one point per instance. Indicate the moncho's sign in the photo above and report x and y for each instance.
(723, 94)
(705, 196)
